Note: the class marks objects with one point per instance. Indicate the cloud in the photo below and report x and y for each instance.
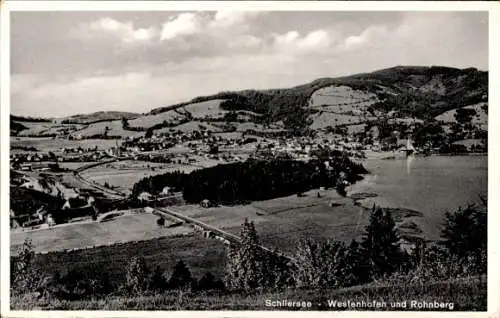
(316, 42)
(368, 37)
(121, 62)
(183, 24)
(124, 30)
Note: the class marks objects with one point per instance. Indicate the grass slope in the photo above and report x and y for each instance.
(466, 295)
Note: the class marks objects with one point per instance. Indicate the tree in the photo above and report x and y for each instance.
(23, 276)
(125, 123)
(465, 235)
(181, 277)
(149, 133)
(319, 264)
(157, 281)
(136, 275)
(464, 115)
(160, 222)
(381, 243)
(245, 263)
(357, 268)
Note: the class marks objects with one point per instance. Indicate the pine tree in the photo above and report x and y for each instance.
(381, 243)
(465, 236)
(357, 267)
(181, 277)
(157, 280)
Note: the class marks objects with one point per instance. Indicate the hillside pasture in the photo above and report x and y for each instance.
(124, 177)
(325, 119)
(151, 120)
(195, 125)
(208, 109)
(341, 96)
(47, 128)
(129, 227)
(114, 129)
(481, 119)
(56, 145)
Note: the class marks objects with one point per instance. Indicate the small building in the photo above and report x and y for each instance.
(207, 204)
(145, 196)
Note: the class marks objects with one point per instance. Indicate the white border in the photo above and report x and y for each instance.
(494, 130)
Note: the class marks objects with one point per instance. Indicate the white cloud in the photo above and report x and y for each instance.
(124, 30)
(228, 19)
(183, 24)
(369, 36)
(317, 41)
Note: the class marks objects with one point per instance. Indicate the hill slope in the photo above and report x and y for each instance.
(421, 92)
(402, 91)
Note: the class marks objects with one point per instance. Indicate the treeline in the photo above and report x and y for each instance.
(253, 179)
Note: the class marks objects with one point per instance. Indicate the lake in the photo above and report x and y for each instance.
(431, 185)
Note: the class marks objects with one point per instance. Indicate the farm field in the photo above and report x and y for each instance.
(208, 109)
(123, 175)
(281, 222)
(325, 119)
(151, 120)
(199, 254)
(341, 96)
(40, 128)
(131, 227)
(480, 119)
(49, 144)
(195, 125)
(114, 129)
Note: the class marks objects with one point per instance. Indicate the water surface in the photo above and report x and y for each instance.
(431, 185)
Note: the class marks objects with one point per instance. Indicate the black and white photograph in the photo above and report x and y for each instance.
(243, 158)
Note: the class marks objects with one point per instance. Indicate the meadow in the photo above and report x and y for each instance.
(114, 129)
(49, 144)
(208, 109)
(341, 96)
(480, 119)
(129, 227)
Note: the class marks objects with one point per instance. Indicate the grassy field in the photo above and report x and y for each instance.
(49, 144)
(80, 235)
(200, 255)
(151, 120)
(195, 125)
(281, 222)
(325, 119)
(481, 119)
(45, 128)
(114, 129)
(208, 109)
(124, 174)
(465, 295)
(345, 96)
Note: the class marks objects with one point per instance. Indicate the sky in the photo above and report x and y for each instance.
(66, 63)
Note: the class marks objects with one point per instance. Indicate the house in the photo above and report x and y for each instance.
(166, 191)
(145, 196)
(207, 204)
